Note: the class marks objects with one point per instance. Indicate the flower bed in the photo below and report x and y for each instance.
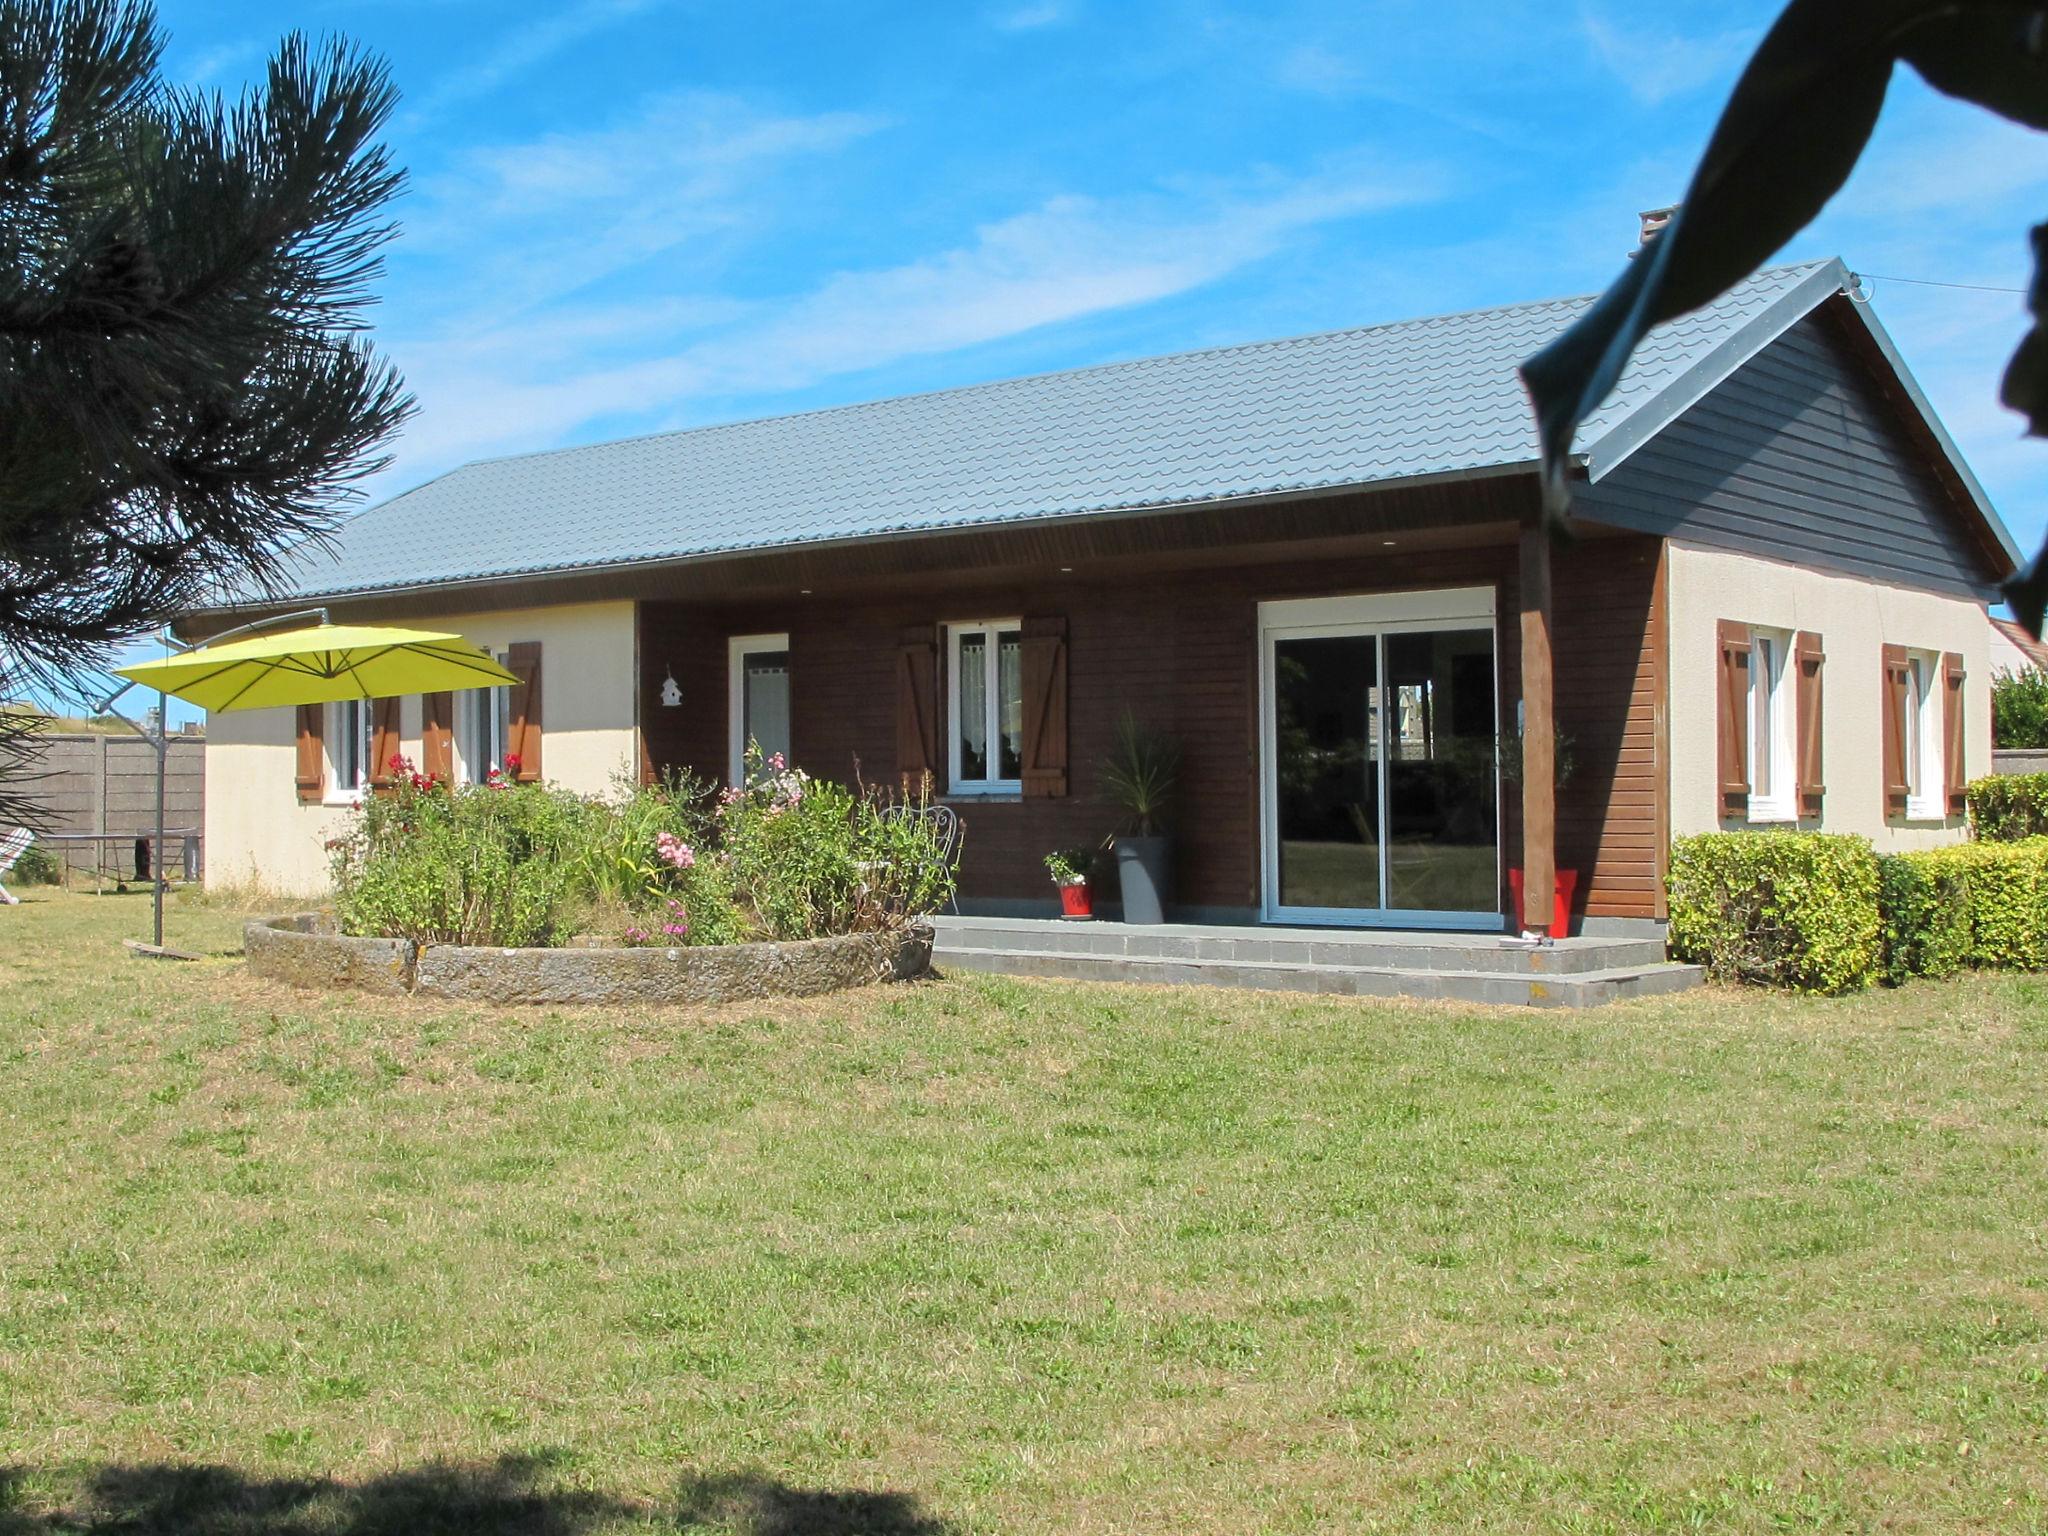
(782, 886)
(525, 866)
(306, 950)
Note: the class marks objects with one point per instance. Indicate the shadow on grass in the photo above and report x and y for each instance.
(747, 1505)
(498, 1498)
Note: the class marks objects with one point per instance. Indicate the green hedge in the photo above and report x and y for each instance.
(2009, 808)
(1923, 903)
(1976, 904)
(1797, 910)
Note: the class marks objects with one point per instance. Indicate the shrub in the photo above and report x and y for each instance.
(38, 865)
(1793, 910)
(808, 857)
(2019, 710)
(472, 865)
(2008, 901)
(1977, 904)
(784, 856)
(2007, 808)
(1923, 901)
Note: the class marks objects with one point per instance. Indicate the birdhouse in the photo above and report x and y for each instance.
(671, 692)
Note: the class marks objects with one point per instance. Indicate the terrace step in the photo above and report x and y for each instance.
(1368, 949)
(1463, 967)
(1529, 989)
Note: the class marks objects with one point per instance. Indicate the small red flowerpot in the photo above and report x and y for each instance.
(1077, 901)
(1561, 914)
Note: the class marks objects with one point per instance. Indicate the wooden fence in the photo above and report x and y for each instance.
(106, 784)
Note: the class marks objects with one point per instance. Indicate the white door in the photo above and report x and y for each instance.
(1380, 795)
(757, 689)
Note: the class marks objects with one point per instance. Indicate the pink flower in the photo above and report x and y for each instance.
(778, 762)
(636, 936)
(674, 851)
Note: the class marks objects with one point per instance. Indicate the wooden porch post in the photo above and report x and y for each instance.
(1539, 736)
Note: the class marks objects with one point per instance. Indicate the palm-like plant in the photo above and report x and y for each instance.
(1140, 774)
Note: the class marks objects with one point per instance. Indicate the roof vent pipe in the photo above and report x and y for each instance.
(1654, 219)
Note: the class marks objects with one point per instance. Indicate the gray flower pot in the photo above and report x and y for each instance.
(1144, 869)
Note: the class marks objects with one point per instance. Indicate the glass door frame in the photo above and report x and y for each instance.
(737, 649)
(1374, 615)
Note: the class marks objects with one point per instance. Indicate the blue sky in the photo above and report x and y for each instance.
(631, 215)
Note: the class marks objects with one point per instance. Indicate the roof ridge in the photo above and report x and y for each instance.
(1085, 369)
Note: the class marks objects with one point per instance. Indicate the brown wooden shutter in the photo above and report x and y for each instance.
(383, 743)
(1896, 668)
(1734, 718)
(1809, 659)
(312, 759)
(1955, 767)
(522, 660)
(437, 736)
(917, 705)
(1044, 679)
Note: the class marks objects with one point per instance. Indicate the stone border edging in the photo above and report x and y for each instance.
(305, 950)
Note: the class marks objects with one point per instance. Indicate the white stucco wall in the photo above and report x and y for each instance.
(1856, 619)
(2006, 657)
(257, 833)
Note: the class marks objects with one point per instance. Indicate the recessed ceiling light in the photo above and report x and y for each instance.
(1386, 543)
(803, 591)
(1066, 570)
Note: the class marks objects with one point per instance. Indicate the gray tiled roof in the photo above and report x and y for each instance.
(1386, 402)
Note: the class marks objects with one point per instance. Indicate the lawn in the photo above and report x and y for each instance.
(980, 1256)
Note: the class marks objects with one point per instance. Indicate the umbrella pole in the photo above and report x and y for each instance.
(163, 754)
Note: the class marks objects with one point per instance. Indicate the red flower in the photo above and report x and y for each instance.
(512, 763)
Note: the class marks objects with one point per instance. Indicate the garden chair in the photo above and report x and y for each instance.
(12, 846)
(946, 832)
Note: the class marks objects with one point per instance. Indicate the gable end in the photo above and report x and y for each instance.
(1804, 455)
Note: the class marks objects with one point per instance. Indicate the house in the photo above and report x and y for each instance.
(2014, 652)
(1303, 558)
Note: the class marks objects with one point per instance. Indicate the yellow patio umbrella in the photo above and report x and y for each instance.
(319, 665)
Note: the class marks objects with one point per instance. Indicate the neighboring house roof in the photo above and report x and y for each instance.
(2033, 653)
(1424, 398)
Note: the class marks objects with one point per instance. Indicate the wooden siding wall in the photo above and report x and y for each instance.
(1801, 456)
(1181, 649)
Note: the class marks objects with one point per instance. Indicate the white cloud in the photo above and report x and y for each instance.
(534, 222)
(1656, 66)
(1317, 70)
(1032, 17)
(523, 48)
(1069, 258)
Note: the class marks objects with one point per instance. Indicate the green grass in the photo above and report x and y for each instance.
(982, 1255)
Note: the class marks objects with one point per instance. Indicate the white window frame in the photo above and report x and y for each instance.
(738, 649)
(1380, 614)
(467, 702)
(1773, 726)
(346, 788)
(992, 663)
(1925, 746)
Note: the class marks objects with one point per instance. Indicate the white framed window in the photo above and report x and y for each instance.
(483, 728)
(347, 733)
(757, 699)
(985, 691)
(1926, 793)
(1773, 728)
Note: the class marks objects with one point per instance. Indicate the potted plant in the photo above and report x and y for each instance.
(1510, 751)
(1069, 870)
(1138, 776)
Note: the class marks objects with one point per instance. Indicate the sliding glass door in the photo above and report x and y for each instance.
(1380, 797)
